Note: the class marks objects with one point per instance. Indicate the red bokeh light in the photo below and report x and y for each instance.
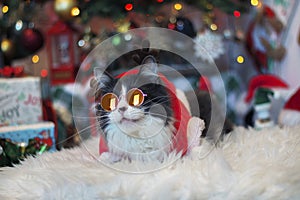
(171, 26)
(44, 73)
(236, 13)
(129, 7)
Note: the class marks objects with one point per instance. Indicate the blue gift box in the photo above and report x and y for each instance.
(42, 132)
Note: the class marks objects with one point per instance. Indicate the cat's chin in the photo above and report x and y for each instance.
(130, 127)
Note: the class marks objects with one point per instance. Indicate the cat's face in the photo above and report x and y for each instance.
(137, 105)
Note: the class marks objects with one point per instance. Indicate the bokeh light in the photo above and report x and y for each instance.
(240, 59)
(116, 40)
(236, 13)
(75, 11)
(129, 7)
(5, 9)
(44, 73)
(35, 59)
(177, 6)
(19, 25)
(213, 27)
(254, 2)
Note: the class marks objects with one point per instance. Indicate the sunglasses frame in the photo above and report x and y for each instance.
(118, 99)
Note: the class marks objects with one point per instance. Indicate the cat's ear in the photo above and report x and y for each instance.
(100, 80)
(150, 66)
(102, 76)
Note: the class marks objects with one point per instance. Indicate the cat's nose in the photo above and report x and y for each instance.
(122, 109)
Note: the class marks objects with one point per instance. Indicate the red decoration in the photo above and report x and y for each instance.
(171, 26)
(263, 81)
(32, 39)
(262, 58)
(9, 71)
(236, 13)
(44, 73)
(268, 12)
(128, 7)
(63, 53)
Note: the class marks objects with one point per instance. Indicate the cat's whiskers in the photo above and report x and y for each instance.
(78, 133)
(166, 96)
(157, 100)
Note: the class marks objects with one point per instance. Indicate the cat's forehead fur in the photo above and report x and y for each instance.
(135, 81)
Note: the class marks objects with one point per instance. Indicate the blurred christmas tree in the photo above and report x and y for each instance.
(19, 37)
(120, 8)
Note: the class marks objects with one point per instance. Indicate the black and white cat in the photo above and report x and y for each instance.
(138, 116)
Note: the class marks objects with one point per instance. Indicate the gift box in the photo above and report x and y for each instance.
(39, 136)
(20, 101)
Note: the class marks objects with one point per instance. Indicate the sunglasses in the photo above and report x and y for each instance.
(134, 97)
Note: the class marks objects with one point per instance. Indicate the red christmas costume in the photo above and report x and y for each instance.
(181, 116)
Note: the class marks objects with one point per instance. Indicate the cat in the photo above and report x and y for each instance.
(138, 116)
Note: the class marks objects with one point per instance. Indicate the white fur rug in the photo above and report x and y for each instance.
(249, 165)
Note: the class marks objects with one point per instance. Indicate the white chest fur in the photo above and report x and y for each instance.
(152, 140)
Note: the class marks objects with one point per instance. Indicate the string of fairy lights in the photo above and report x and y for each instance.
(240, 59)
(71, 10)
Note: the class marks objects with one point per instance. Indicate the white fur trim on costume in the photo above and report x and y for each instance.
(289, 117)
(194, 132)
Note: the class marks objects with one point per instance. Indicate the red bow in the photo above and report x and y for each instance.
(8, 71)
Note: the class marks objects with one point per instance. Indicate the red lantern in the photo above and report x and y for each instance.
(63, 53)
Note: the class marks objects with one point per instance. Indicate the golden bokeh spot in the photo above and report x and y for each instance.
(240, 59)
(177, 6)
(254, 2)
(5, 9)
(75, 11)
(213, 27)
(35, 59)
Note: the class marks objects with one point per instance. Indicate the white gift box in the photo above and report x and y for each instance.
(20, 101)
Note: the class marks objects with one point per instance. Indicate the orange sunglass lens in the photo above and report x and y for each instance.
(109, 102)
(135, 97)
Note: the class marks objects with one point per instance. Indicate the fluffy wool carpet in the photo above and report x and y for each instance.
(249, 164)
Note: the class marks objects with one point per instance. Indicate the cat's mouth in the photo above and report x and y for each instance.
(124, 120)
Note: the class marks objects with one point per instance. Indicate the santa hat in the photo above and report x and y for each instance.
(259, 81)
(290, 115)
(263, 81)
